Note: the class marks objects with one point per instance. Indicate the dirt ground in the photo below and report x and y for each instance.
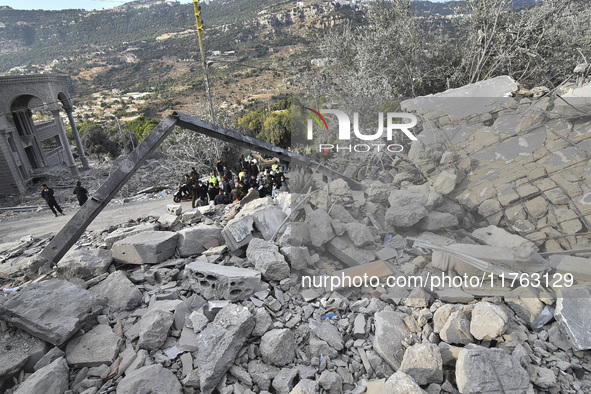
(42, 224)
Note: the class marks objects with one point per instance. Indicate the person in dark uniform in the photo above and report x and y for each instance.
(81, 193)
(47, 194)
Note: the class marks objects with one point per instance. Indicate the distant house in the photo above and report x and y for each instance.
(32, 135)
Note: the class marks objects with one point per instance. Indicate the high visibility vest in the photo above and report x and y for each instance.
(275, 167)
(213, 179)
(241, 175)
(308, 150)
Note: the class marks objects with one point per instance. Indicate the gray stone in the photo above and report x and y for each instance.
(174, 209)
(359, 234)
(298, 257)
(263, 322)
(120, 293)
(268, 220)
(319, 225)
(238, 232)
(150, 379)
(150, 247)
(437, 221)
(154, 327)
(218, 282)
(331, 382)
(305, 386)
(401, 383)
(52, 310)
(488, 322)
(48, 358)
(445, 182)
(278, 347)
(319, 348)
(545, 378)
(84, 263)
(197, 239)
(491, 211)
(495, 236)
(328, 333)
(456, 329)
(191, 216)
(266, 258)
(405, 215)
(241, 374)
(125, 232)
(197, 321)
(98, 346)
(343, 249)
(295, 234)
(340, 213)
(18, 352)
(573, 313)
(51, 379)
(525, 302)
(359, 326)
(285, 380)
(390, 332)
(482, 370)
(219, 344)
(423, 362)
(420, 194)
(262, 374)
(387, 253)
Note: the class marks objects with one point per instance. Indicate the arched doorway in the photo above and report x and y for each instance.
(21, 110)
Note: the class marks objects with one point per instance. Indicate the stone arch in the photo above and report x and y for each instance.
(21, 111)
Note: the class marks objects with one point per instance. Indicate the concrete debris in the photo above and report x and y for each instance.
(145, 248)
(266, 258)
(219, 343)
(482, 370)
(96, 347)
(84, 263)
(216, 298)
(120, 292)
(37, 310)
(215, 282)
(51, 379)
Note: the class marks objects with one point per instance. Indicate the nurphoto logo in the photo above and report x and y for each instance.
(395, 121)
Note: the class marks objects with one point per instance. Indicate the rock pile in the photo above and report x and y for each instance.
(324, 293)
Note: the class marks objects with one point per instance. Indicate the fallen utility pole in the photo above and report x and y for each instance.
(72, 231)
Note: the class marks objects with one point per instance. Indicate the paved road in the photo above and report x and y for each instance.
(44, 223)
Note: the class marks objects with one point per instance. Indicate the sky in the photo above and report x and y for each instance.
(72, 4)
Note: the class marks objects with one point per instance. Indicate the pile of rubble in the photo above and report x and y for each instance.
(212, 298)
(334, 291)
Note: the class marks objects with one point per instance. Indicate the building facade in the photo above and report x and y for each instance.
(32, 135)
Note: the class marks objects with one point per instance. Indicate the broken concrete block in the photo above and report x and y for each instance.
(491, 211)
(359, 234)
(145, 248)
(125, 232)
(84, 263)
(220, 342)
(174, 209)
(305, 386)
(215, 282)
(51, 379)
(48, 358)
(445, 182)
(343, 249)
(263, 322)
(400, 383)
(319, 225)
(420, 194)
(278, 347)
(482, 370)
(191, 216)
(456, 329)
(285, 380)
(51, 310)
(578, 267)
(197, 239)
(328, 333)
(169, 221)
(266, 258)
(423, 363)
(405, 215)
(150, 379)
(525, 302)
(298, 257)
(573, 313)
(331, 382)
(295, 234)
(488, 322)
(18, 352)
(390, 332)
(496, 236)
(387, 253)
(238, 232)
(262, 374)
(268, 220)
(120, 293)
(437, 221)
(154, 327)
(98, 346)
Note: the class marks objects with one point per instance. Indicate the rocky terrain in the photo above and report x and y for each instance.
(338, 290)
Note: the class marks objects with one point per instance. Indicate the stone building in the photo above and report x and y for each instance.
(32, 135)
